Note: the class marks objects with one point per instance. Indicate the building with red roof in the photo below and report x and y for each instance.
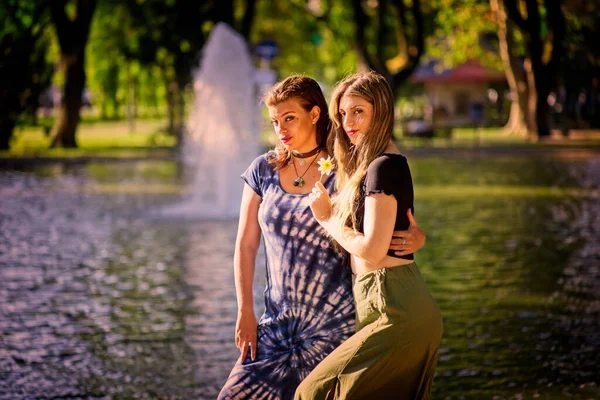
(453, 93)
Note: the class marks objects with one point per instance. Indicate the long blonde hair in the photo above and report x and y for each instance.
(352, 161)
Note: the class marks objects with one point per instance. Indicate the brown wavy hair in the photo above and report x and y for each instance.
(309, 93)
(352, 161)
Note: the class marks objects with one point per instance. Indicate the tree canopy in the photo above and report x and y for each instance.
(137, 57)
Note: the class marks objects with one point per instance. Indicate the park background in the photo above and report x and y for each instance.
(498, 111)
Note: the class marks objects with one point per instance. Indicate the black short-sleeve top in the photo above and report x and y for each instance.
(389, 174)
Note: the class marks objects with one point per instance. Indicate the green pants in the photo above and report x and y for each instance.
(393, 354)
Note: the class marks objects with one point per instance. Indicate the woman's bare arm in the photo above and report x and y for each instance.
(246, 249)
(379, 220)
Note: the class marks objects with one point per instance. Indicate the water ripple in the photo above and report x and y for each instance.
(98, 299)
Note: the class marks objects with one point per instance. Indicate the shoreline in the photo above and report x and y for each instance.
(126, 155)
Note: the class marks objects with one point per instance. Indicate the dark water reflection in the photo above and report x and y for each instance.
(100, 300)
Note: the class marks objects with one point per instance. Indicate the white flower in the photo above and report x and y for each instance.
(325, 165)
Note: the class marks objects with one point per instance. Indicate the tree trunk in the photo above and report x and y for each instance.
(7, 126)
(530, 102)
(516, 120)
(224, 12)
(116, 107)
(248, 19)
(542, 111)
(541, 69)
(170, 108)
(595, 96)
(10, 107)
(65, 127)
(131, 100)
(547, 65)
(24, 73)
(72, 38)
(360, 24)
(104, 110)
(180, 104)
(415, 42)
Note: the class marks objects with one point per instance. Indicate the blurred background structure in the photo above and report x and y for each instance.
(103, 295)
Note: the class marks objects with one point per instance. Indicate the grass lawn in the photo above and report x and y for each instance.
(492, 137)
(103, 138)
(115, 139)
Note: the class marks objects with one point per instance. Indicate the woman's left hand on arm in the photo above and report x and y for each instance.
(410, 240)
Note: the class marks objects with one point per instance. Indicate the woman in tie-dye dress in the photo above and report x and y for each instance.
(309, 308)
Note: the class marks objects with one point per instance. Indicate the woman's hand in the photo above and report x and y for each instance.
(320, 203)
(410, 240)
(245, 334)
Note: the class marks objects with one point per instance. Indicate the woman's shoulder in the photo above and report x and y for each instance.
(387, 162)
(259, 174)
(388, 173)
(262, 161)
(259, 167)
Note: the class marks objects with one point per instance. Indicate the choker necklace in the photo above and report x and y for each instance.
(299, 181)
(300, 156)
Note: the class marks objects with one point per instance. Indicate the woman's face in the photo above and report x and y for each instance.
(356, 114)
(294, 126)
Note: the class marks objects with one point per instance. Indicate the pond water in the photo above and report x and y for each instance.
(101, 299)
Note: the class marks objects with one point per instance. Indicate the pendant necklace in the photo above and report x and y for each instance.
(299, 181)
(302, 156)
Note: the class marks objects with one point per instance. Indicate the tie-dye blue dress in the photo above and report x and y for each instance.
(309, 308)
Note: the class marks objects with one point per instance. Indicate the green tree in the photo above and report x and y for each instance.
(24, 72)
(111, 38)
(581, 70)
(171, 34)
(478, 29)
(543, 27)
(396, 41)
(312, 41)
(330, 38)
(72, 30)
(462, 30)
(519, 78)
(481, 29)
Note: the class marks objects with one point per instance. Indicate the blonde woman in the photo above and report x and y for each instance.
(393, 355)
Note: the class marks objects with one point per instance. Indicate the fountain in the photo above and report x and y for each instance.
(222, 133)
